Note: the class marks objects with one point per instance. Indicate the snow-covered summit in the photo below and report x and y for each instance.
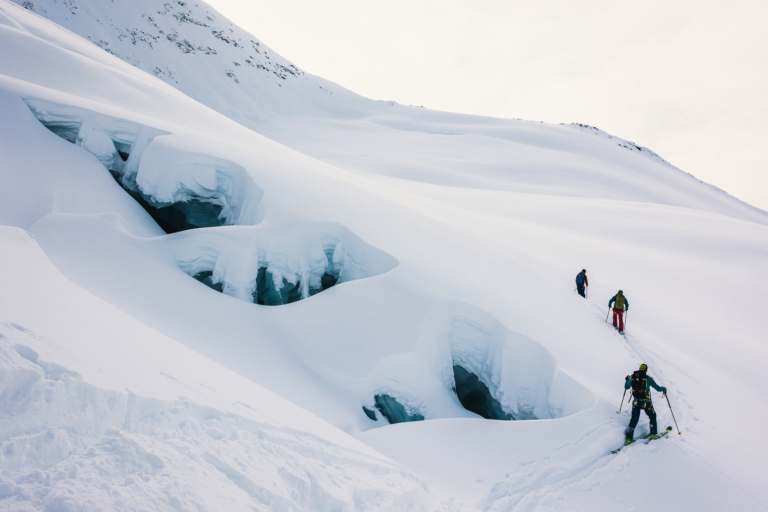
(192, 47)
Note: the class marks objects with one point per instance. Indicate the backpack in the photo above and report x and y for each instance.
(619, 304)
(580, 278)
(639, 385)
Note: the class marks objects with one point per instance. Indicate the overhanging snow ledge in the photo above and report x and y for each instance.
(181, 189)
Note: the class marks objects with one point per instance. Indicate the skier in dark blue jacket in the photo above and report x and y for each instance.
(582, 282)
(641, 383)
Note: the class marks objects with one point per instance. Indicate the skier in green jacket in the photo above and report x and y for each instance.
(641, 383)
(620, 304)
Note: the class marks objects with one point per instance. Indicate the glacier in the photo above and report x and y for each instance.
(157, 200)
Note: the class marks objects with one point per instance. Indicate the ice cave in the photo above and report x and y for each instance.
(475, 396)
(467, 364)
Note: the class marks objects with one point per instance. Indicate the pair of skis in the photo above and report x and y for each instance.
(647, 439)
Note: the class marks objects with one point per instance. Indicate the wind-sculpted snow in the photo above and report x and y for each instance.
(180, 188)
(467, 358)
(173, 174)
(68, 445)
(112, 141)
(278, 267)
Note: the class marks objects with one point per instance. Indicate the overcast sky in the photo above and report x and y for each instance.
(688, 79)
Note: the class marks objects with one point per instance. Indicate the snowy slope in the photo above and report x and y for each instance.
(192, 47)
(428, 276)
(135, 421)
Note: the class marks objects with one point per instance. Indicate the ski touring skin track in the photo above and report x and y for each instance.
(647, 439)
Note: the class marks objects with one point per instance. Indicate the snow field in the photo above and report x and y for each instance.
(333, 310)
(468, 232)
(67, 444)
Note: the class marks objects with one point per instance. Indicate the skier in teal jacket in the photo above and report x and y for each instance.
(642, 401)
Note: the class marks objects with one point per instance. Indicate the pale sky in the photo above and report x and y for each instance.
(687, 79)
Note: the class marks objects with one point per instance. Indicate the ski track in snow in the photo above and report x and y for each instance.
(579, 466)
(568, 465)
(543, 485)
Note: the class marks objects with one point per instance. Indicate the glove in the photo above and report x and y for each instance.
(627, 377)
(664, 390)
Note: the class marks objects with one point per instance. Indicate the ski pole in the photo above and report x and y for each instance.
(608, 313)
(673, 414)
(622, 400)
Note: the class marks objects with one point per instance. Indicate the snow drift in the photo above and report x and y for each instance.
(137, 427)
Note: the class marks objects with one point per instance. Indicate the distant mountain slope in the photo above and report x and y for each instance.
(192, 47)
(195, 49)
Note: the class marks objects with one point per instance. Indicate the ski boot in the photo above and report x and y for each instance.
(630, 437)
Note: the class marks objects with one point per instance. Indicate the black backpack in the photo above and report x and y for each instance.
(639, 385)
